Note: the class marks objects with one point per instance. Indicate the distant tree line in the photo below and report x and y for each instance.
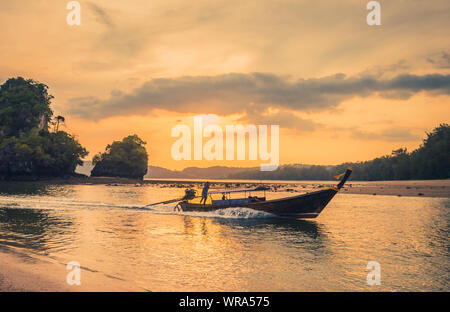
(430, 161)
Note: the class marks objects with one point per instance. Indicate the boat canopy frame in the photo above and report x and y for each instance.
(241, 190)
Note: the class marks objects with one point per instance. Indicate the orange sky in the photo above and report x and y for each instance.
(272, 62)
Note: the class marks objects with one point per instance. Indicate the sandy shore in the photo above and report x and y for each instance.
(425, 188)
(21, 272)
(420, 188)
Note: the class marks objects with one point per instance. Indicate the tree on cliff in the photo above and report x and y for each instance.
(127, 158)
(24, 106)
(27, 148)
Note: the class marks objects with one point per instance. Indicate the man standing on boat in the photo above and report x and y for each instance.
(205, 193)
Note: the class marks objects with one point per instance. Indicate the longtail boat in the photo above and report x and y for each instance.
(308, 205)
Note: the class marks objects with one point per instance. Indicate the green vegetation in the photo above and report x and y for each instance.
(24, 106)
(127, 158)
(430, 161)
(27, 148)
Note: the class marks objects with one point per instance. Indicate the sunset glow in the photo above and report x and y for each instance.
(329, 80)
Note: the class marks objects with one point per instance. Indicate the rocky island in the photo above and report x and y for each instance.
(31, 144)
(125, 159)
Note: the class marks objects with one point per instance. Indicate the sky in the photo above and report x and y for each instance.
(339, 89)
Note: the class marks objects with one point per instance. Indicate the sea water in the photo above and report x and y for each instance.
(109, 230)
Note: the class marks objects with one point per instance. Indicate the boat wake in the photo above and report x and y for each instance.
(228, 213)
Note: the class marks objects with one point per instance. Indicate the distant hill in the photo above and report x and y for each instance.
(155, 172)
(215, 172)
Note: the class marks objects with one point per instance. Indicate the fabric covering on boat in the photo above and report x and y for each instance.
(232, 202)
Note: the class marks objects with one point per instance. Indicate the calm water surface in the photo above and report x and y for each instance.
(108, 229)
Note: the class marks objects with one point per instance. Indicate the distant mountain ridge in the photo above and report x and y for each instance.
(214, 172)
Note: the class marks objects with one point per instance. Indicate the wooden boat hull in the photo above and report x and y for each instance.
(308, 205)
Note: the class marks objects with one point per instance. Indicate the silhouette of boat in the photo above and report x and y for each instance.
(308, 205)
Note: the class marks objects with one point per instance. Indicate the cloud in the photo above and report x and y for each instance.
(395, 134)
(102, 16)
(441, 60)
(120, 39)
(388, 71)
(256, 92)
(286, 119)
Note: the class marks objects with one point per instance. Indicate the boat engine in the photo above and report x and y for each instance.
(189, 194)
